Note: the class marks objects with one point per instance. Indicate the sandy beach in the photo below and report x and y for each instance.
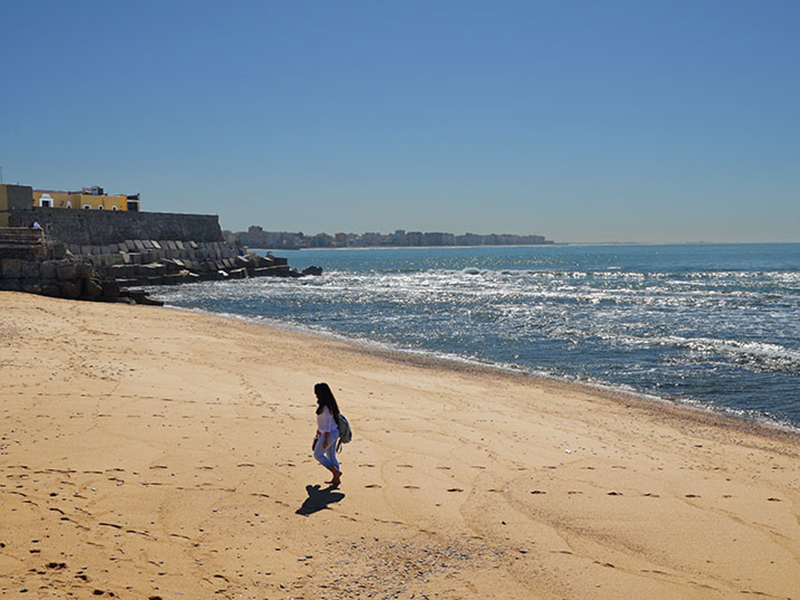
(151, 453)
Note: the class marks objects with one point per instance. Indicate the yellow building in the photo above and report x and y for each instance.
(91, 198)
(23, 197)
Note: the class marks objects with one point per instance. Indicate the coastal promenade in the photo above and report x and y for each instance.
(170, 458)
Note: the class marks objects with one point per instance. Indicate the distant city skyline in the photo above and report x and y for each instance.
(618, 121)
(257, 237)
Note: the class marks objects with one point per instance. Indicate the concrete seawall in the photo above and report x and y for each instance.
(99, 228)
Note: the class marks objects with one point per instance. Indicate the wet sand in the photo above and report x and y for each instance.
(151, 453)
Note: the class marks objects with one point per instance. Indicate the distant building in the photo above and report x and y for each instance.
(322, 240)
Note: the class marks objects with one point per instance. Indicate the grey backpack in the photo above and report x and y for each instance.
(345, 433)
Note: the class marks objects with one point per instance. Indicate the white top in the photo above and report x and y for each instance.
(326, 422)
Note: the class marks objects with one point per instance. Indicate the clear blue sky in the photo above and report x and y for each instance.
(579, 120)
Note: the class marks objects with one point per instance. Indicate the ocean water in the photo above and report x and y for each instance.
(711, 325)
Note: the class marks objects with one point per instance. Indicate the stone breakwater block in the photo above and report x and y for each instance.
(58, 251)
(30, 269)
(10, 285)
(69, 289)
(139, 246)
(156, 245)
(31, 287)
(12, 268)
(171, 266)
(65, 271)
(47, 270)
(149, 270)
(84, 269)
(126, 258)
(110, 289)
(141, 297)
(50, 289)
(92, 288)
(148, 245)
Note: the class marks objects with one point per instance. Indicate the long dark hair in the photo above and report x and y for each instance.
(325, 398)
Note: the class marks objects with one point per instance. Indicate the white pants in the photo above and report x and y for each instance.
(327, 455)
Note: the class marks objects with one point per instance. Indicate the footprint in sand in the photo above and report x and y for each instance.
(692, 496)
(774, 500)
(411, 487)
(455, 490)
(615, 493)
(651, 495)
(405, 466)
(372, 485)
(538, 492)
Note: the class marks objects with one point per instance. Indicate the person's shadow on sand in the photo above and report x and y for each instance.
(318, 499)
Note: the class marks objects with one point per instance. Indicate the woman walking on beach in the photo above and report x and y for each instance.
(324, 445)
